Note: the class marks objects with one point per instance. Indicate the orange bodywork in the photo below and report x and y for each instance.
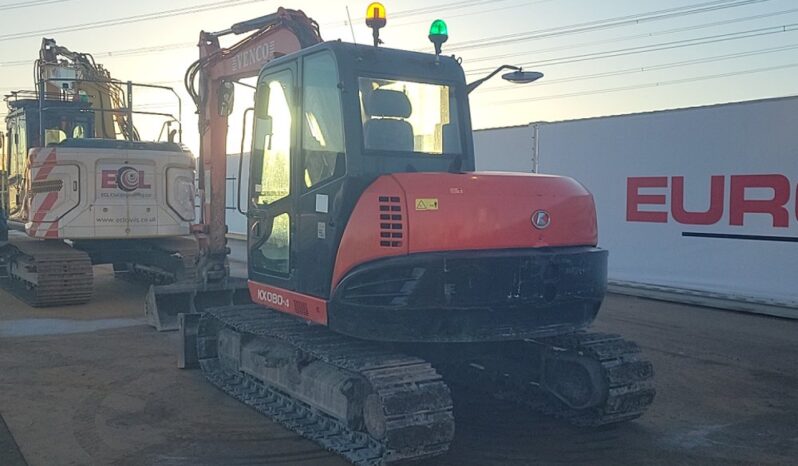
(304, 306)
(434, 212)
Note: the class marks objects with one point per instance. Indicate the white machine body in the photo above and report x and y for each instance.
(79, 193)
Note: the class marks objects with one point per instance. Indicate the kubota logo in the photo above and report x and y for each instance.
(541, 219)
(128, 179)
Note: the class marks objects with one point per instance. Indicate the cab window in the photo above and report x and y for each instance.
(322, 131)
(272, 139)
(408, 116)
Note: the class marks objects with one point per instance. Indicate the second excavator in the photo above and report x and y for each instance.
(383, 269)
(84, 188)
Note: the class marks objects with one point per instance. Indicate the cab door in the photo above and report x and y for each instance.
(321, 173)
(16, 167)
(272, 223)
(6, 154)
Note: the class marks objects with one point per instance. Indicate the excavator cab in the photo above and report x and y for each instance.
(329, 121)
(59, 121)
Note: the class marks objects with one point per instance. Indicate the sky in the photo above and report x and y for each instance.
(599, 58)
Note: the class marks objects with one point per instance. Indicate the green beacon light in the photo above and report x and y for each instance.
(438, 34)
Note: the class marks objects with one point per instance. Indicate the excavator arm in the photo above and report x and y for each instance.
(209, 81)
(91, 80)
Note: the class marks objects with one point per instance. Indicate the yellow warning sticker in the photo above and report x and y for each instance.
(427, 204)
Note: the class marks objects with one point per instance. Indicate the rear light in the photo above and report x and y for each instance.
(180, 192)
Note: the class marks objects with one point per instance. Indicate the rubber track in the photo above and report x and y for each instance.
(399, 380)
(64, 274)
(628, 378)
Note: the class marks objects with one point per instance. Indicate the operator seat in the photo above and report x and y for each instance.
(386, 128)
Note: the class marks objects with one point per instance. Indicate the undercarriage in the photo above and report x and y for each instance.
(54, 273)
(45, 273)
(376, 403)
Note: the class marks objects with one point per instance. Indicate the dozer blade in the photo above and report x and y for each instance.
(165, 302)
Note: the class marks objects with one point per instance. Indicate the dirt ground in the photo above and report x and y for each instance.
(92, 385)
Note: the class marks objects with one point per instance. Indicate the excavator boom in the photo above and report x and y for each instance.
(210, 83)
(59, 69)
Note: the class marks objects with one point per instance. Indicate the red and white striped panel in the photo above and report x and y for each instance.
(42, 162)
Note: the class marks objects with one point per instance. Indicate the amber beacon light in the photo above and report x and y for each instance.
(375, 19)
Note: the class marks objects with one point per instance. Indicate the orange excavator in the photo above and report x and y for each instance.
(383, 269)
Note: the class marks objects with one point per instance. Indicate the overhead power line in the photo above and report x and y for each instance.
(186, 45)
(166, 47)
(436, 9)
(18, 5)
(603, 24)
(648, 85)
(647, 35)
(418, 11)
(130, 19)
(116, 53)
(642, 69)
(493, 9)
(655, 47)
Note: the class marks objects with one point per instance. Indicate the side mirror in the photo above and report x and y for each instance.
(226, 98)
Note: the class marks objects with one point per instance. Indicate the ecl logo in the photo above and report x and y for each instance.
(127, 179)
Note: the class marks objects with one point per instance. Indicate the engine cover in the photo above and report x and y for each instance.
(98, 190)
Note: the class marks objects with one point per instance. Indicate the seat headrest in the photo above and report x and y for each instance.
(388, 103)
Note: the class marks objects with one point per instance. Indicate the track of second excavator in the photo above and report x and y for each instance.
(47, 272)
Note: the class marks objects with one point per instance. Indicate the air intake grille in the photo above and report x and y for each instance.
(301, 308)
(391, 224)
(46, 186)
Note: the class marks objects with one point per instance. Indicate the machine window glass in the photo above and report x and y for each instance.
(53, 136)
(19, 157)
(274, 254)
(79, 131)
(272, 139)
(409, 116)
(322, 131)
(20, 150)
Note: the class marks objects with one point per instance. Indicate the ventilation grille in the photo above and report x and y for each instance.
(46, 186)
(301, 308)
(391, 225)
